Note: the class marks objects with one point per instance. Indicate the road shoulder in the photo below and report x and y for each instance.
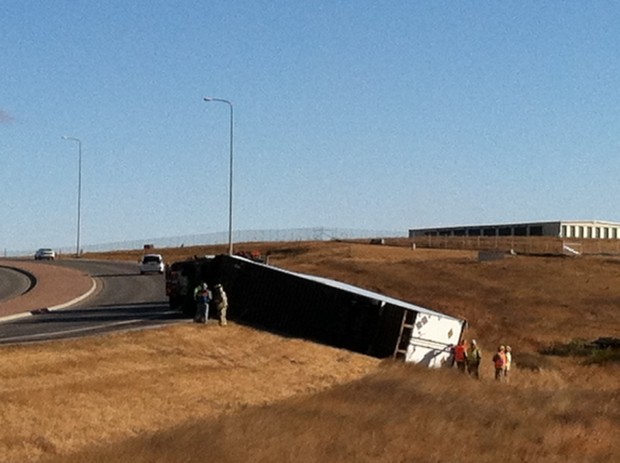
(54, 287)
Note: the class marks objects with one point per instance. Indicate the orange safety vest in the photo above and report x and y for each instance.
(460, 353)
(499, 360)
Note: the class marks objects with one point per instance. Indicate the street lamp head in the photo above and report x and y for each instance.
(221, 100)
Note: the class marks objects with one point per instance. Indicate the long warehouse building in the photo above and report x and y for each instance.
(583, 229)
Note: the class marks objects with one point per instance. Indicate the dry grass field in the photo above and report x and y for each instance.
(193, 393)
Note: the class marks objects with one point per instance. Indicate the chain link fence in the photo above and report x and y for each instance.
(533, 245)
(240, 236)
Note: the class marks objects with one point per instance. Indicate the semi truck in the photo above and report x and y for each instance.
(319, 309)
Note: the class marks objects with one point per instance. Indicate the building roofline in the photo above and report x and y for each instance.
(512, 224)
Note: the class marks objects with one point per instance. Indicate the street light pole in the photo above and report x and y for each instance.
(79, 200)
(230, 180)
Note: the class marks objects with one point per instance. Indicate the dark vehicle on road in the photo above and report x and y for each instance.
(181, 279)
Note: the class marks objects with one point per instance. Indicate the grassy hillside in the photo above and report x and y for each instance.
(191, 393)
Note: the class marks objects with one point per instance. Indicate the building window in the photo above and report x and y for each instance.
(489, 232)
(520, 231)
(536, 230)
(564, 231)
(474, 232)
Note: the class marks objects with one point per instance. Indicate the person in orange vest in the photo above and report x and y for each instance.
(460, 356)
(499, 361)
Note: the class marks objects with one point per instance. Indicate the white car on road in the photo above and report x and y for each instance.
(44, 254)
(151, 263)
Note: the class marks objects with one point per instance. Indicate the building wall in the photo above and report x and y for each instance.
(561, 229)
(592, 230)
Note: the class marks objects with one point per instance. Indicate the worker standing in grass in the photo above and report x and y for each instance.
(460, 355)
(508, 364)
(221, 303)
(202, 298)
(474, 356)
(499, 361)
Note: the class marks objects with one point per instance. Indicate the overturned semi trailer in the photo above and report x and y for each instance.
(334, 313)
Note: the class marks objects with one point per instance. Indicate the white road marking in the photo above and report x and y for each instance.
(86, 328)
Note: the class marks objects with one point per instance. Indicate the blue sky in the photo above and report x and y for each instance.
(355, 114)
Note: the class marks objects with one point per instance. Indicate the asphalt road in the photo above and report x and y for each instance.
(12, 283)
(124, 300)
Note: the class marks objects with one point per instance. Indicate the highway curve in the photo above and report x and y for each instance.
(13, 283)
(124, 300)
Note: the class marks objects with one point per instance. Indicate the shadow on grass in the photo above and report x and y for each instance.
(597, 352)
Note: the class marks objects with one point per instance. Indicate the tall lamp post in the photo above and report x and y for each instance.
(230, 180)
(79, 200)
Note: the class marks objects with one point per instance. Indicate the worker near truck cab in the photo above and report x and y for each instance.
(221, 303)
(202, 299)
(460, 355)
(474, 356)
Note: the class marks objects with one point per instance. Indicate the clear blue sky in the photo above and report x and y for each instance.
(354, 114)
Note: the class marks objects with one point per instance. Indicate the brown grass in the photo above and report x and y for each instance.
(63, 396)
(189, 393)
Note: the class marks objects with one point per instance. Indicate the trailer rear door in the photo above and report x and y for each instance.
(432, 339)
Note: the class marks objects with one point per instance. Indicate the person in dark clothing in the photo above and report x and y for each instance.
(202, 297)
